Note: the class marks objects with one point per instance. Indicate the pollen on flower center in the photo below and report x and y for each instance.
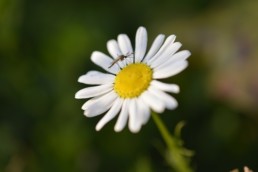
(133, 80)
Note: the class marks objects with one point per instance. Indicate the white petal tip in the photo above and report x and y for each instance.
(98, 127)
(134, 130)
(176, 89)
(171, 37)
(117, 129)
(162, 36)
(188, 53)
(161, 110)
(141, 28)
(80, 79)
(172, 107)
(186, 65)
(78, 95)
(185, 54)
(85, 113)
(94, 55)
(110, 41)
(177, 45)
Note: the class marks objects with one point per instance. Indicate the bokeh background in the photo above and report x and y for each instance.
(45, 46)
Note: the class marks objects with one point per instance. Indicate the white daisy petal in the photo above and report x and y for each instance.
(93, 91)
(101, 99)
(95, 78)
(134, 119)
(125, 46)
(173, 88)
(99, 105)
(179, 56)
(169, 71)
(153, 102)
(110, 114)
(104, 61)
(144, 111)
(115, 51)
(166, 54)
(163, 48)
(113, 48)
(168, 100)
(154, 47)
(140, 44)
(123, 117)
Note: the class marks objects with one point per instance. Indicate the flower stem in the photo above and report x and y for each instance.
(177, 154)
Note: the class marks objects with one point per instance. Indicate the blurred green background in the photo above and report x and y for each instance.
(46, 45)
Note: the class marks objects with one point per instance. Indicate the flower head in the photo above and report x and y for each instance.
(131, 88)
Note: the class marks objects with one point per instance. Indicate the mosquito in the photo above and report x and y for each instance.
(120, 58)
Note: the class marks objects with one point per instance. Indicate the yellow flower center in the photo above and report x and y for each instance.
(133, 80)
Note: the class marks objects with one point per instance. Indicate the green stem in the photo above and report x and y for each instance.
(176, 157)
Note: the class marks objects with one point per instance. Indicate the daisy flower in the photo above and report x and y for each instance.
(130, 89)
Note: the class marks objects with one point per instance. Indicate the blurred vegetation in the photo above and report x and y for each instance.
(46, 45)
